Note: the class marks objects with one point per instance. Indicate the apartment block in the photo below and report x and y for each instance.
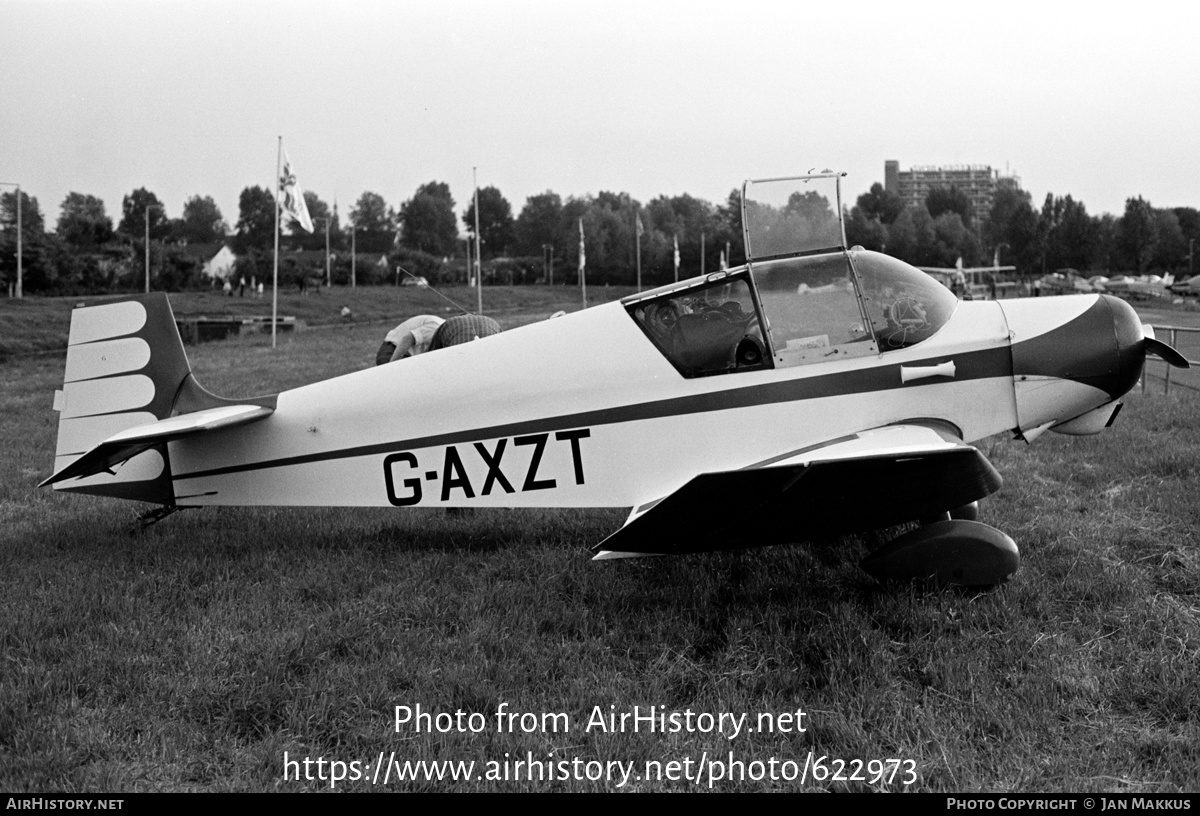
(978, 182)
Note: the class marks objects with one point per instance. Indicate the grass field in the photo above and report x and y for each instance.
(193, 656)
(34, 325)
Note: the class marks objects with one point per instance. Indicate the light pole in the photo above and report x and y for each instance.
(548, 266)
(149, 207)
(328, 274)
(353, 257)
(20, 253)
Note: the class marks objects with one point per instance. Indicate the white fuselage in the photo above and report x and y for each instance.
(585, 411)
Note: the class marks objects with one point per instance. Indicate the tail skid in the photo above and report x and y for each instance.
(128, 390)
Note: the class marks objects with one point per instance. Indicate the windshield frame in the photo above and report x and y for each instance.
(800, 249)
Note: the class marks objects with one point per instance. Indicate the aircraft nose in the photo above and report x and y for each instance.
(1101, 346)
(1131, 347)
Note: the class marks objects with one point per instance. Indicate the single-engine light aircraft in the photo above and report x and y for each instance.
(817, 390)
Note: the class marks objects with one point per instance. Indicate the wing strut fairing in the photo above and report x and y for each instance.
(830, 495)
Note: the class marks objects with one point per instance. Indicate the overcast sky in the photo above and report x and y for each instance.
(648, 97)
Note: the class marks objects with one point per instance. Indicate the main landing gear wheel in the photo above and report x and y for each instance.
(954, 552)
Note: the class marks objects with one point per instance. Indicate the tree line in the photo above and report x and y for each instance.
(1143, 239)
(86, 253)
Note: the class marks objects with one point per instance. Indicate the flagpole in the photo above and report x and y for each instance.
(637, 231)
(20, 253)
(582, 265)
(677, 259)
(478, 247)
(275, 281)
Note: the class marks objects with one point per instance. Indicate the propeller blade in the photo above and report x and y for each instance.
(1160, 349)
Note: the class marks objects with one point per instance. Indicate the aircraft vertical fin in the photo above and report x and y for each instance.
(128, 390)
(125, 364)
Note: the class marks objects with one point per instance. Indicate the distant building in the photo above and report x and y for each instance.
(216, 259)
(978, 182)
(220, 265)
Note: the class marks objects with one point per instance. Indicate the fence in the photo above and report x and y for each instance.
(1174, 343)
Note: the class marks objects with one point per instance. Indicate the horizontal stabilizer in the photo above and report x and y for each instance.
(871, 480)
(123, 446)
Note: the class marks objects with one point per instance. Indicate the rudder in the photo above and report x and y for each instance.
(125, 367)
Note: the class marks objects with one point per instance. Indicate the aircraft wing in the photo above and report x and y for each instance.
(125, 445)
(873, 479)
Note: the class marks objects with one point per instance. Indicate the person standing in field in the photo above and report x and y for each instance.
(410, 338)
(423, 333)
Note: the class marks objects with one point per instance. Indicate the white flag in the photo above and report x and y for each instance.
(291, 197)
(676, 256)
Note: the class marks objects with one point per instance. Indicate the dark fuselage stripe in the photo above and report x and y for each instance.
(973, 365)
